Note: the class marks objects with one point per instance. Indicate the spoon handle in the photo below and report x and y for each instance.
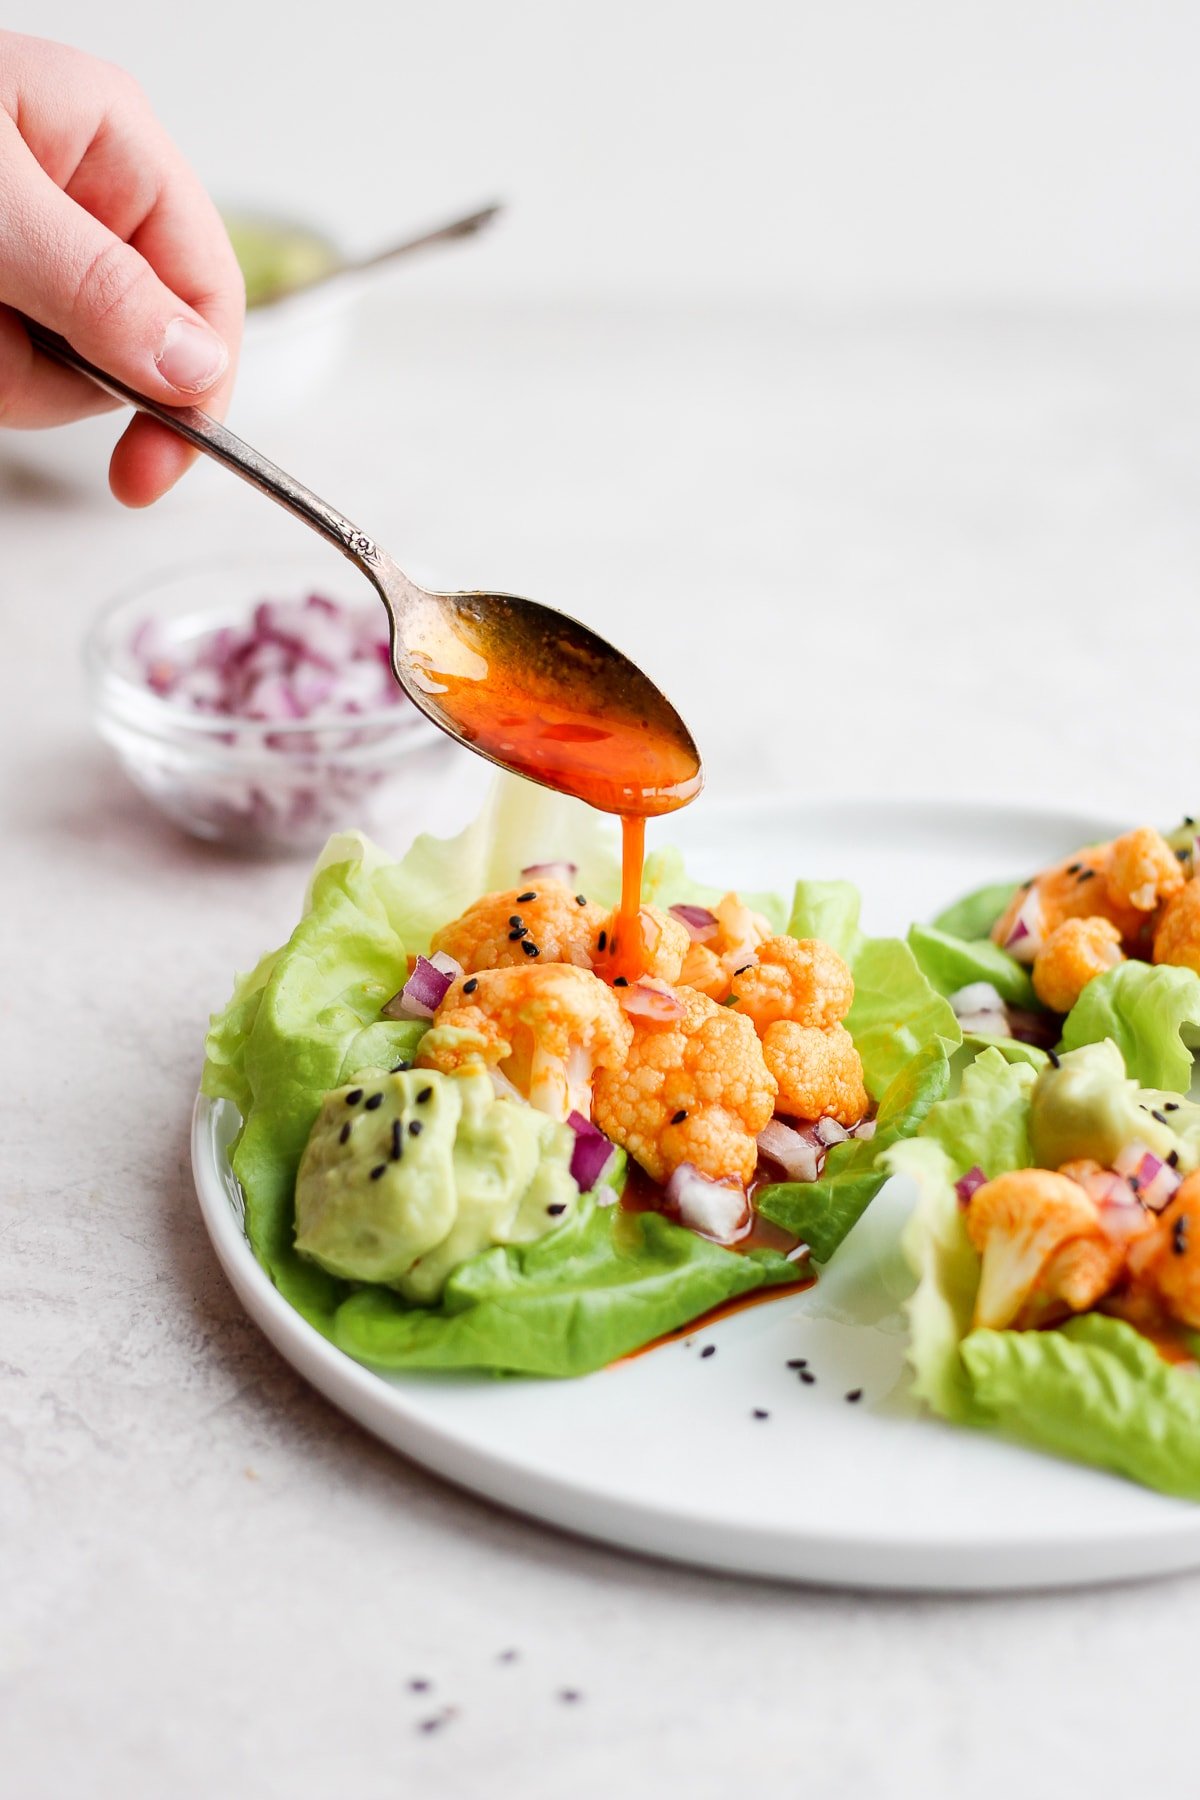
(217, 441)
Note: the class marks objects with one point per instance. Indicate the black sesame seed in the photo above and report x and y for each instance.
(530, 949)
(373, 1102)
(1088, 875)
(1170, 1106)
(559, 1206)
(424, 1095)
(743, 968)
(401, 1067)
(581, 899)
(620, 981)
(1074, 868)
(414, 1128)
(679, 1117)
(760, 1412)
(1188, 820)
(1172, 1159)
(1183, 855)
(397, 1139)
(1055, 1059)
(522, 898)
(378, 1170)
(344, 1133)
(708, 1350)
(515, 919)
(854, 1396)
(1179, 1236)
(518, 932)
(602, 940)
(470, 986)
(353, 1097)
(798, 1362)
(1160, 1116)
(807, 1377)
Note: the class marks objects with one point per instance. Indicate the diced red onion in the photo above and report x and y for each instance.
(970, 1183)
(1154, 1180)
(864, 1130)
(425, 988)
(551, 871)
(701, 924)
(719, 1210)
(830, 1132)
(800, 1154)
(1041, 1029)
(1025, 938)
(1120, 1211)
(592, 1154)
(647, 1002)
(978, 1007)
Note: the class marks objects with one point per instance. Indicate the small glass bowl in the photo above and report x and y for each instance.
(267, 787)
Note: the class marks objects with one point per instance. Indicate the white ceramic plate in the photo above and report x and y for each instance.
(663, 1453)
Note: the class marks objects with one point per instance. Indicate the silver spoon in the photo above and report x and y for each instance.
(529, 688)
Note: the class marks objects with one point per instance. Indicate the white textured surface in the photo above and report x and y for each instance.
(849, 547)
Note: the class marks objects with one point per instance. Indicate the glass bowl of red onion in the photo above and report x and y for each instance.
(252, 700)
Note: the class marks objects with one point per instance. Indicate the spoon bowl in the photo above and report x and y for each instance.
(527, 687)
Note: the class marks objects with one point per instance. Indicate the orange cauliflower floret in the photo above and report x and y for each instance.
(1177, 939)
(1142, 870)
(694, 1089)
(1076, 888)
(1075, 952)
(1169, 1260)
(800, 979)
(1043, 1247)
(665, 943)
(740, 931)
(547, 1028)
(819, 1073)
(544, 921)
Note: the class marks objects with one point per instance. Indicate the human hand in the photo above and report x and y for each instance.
(110, 240)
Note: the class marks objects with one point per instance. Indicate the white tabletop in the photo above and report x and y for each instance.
(927, 555)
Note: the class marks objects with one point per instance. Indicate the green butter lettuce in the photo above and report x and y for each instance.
(951, 963)
(974, 915)
(1151, 1011)
(306, 1019)
(1092, 1389)
(905, 1033)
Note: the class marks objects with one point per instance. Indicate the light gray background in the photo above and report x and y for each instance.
(841, 362)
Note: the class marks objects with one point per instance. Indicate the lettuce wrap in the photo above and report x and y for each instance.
(1093, 1389)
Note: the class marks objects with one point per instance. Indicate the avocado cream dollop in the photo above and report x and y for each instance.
(1088, 1107)
(406, 1174)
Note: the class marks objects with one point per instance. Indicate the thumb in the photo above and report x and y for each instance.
(65, 269)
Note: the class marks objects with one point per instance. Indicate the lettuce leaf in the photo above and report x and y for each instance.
(1151, 1011)
(307, 1017)
(951, 962)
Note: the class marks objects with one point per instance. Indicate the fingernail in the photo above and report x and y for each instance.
(192, 356)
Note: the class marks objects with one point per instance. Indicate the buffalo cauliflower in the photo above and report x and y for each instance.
(545, 921)
(547, 1029)
(800, 979)
(819, 1073)
(1177, 939)
(1142, 870)
(664, 946)
(693, 1089)
(1043, 1248)
(1074, 953)
(1074, 889)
